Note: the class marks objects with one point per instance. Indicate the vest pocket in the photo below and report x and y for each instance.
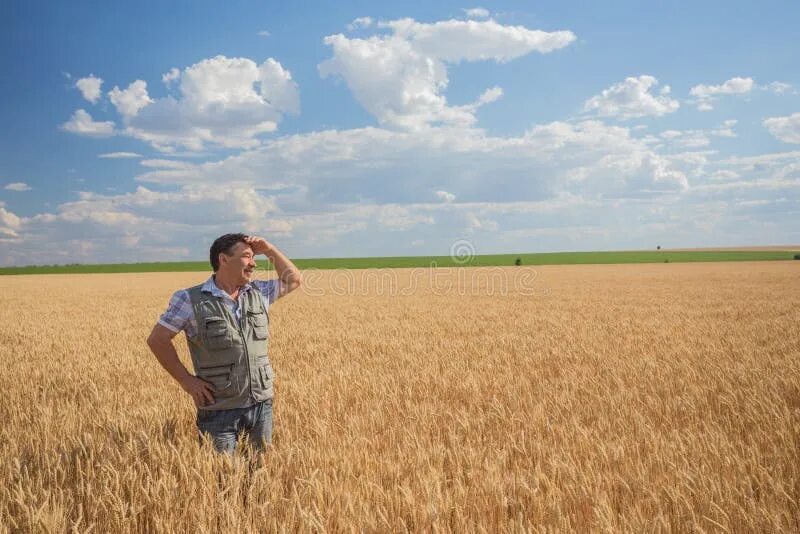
(217, 333)
(265, 376)
(219, 376)
(260, 324)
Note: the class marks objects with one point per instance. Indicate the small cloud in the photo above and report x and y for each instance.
(169, 77)
(725, 129)
(706, 94)
(632, 98)
(119, 155)
(359, 23)
(129, 101)
(779, 88)
(477, 13)
(81, 123)
(17, 186)
(263, 33)
(490, 95)
(444, 196)
(734, 86)
(90, 88)
(787, 128)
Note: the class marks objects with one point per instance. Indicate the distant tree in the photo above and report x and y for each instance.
(518, 261)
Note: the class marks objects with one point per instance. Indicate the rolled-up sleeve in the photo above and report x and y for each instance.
(269, 288)
(179, 312)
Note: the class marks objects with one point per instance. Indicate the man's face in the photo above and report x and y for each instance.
(239, 264)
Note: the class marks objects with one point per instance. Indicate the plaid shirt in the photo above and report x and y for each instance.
(180, 315)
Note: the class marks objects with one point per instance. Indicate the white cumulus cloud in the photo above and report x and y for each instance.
(170, 76)
(219, 101)
(129, 101)
(380, 165)
(632, 98)
(81, 123)
(705, 94)
(471, 40)
(90, 88)
(787, 129)
(9, 223)
(222, 101)
(399, 78)
(734, 86)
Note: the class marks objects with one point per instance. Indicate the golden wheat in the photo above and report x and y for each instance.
(607, 398)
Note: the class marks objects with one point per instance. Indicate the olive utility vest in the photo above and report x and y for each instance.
(232, 356)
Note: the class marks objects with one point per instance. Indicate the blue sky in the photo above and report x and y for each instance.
(138, 132)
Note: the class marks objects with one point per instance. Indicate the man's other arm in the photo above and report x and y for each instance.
(160, 342)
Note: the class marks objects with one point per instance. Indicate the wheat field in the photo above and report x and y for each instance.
(634, 398)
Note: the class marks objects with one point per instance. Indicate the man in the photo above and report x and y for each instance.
(226, 324)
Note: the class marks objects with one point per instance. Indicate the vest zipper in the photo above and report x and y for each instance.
(247, 355)
(242, 313)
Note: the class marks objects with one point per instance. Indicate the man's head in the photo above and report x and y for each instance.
(233, 257)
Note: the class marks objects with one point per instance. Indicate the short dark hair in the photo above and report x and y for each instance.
(224, 243)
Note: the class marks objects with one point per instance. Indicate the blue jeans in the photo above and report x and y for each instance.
(223, 426)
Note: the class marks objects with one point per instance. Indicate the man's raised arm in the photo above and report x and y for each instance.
(288, 273)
